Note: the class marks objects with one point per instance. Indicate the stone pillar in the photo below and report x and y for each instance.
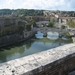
(60, 20)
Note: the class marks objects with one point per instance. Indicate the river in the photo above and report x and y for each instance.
(30, 46)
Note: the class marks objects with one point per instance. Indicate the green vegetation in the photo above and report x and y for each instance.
(5, 11)
(12, 30)
(29, 12)
(28, 26)
(24, 12)
(53, 20)
(68, 13)
(63, 27)
(51, 23)
(71, 23)
(32, 22)
(66, 34)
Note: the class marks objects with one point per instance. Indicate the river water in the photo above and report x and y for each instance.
(31, 46)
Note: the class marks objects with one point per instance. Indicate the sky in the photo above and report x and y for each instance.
(68, 5)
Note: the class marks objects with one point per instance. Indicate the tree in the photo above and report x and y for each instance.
(32, 22)
(50, 24)
(63, 27)
(71, 23)
(53, 20)
(28, 26)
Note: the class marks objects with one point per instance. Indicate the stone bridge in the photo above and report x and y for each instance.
(51, 29)
(65, 19)
(56, 61)
(44, 30)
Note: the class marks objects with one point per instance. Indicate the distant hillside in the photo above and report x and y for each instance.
(25, 12)
(32, 12)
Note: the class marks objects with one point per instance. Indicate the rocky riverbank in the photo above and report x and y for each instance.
(73, 38)
(11, 39)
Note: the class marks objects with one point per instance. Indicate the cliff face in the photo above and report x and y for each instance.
(10, 39)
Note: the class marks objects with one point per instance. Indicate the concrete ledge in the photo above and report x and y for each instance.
(36, 63)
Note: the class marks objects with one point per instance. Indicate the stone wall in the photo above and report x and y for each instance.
(10, 39)
(9, 21)
(56, 61)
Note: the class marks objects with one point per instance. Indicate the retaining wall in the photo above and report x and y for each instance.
(15, 38)
(56, 61)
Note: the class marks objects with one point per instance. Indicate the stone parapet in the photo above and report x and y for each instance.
(56, 61)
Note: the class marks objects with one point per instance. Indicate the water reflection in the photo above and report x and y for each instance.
(64, 37)
(15, 51)
(31, 46)
(52, 35)
(39, 35)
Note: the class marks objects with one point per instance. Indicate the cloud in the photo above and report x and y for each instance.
(8, 4)
(39, 4)
(72, 3)
(9, 1)
(43, 4)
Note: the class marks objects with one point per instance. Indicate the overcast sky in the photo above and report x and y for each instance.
(68, 5)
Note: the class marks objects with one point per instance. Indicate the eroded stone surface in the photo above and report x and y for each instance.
(34, 63)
